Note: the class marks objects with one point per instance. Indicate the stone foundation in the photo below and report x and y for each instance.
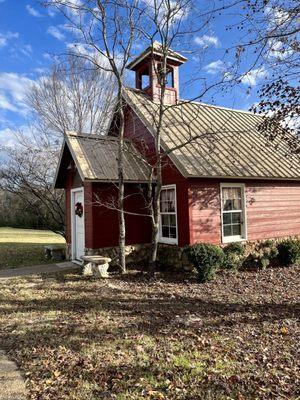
(168, 256)
(136, 253)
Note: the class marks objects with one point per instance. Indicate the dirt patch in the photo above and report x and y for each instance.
(11, 382)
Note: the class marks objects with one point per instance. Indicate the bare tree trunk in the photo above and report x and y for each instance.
(122, 228)
(156, 201)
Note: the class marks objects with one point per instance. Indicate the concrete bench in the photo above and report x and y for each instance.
(96, 265)
(55, 253)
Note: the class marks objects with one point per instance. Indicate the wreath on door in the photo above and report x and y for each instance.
(79, 209)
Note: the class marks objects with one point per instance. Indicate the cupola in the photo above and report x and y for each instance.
(147, 66)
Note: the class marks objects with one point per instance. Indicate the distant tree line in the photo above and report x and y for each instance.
(15, 214)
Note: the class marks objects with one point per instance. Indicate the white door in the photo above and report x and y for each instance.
(78, 225)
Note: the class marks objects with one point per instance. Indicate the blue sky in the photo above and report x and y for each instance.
(31, 36)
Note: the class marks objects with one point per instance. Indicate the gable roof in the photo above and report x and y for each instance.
(228, 143)
(96, 159)
(156, 49)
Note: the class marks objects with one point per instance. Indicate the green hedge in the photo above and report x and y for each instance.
(206, 258)
(289, 252)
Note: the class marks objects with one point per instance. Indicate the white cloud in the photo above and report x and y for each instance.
(71, 8)
(277, 17)
(173, 10)
(55, 32)
(47, 56)
(215, 67)
(206, 41)
(52, 12)
(13, 89)
(5, 104)
(26, 50)
(5, 37)
(7, 138)
(252, 77)
(279, 50)
(40, 70)
(32, 11)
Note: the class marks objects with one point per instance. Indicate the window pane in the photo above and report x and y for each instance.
(165, 220)
(173, 232)
(236, 218)
(163, 195)
(164, 206)
(227, 205)
(165, 231)
(171, 200)
(237, 204)
(232, 198)
(227, 230)
(226, 218)
(172, 220)
(236, 230)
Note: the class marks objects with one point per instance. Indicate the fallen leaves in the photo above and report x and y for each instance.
(234, 338)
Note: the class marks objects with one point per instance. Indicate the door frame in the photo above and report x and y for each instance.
(73, 216)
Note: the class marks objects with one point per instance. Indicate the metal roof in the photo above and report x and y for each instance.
(96, 158)
(215, 141)
(156, 49)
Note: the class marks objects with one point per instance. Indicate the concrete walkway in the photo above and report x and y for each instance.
(11, 382)
(36, 270)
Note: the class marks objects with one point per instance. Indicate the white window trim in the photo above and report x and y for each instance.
(239, 238)
(161, 238)
(79, 189)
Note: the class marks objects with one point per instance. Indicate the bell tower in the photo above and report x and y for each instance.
(147, 66)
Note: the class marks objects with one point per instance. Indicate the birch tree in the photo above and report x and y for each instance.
(106, 31)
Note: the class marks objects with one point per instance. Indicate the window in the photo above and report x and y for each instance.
(143, 78)
(168, 225)
(233, 212)
(169, 76)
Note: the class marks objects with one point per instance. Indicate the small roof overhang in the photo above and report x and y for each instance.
(155, 49)
(96, 159)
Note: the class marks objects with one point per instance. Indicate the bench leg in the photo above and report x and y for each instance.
(87, 269)
(101, 270)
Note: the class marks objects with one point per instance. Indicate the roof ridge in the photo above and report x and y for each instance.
(94, 136)
(99, 137)
(198, 103)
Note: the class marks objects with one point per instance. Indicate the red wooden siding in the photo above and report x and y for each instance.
(144, 142)
(102, 224)
(204, 211)
(273, 210)
(89, 218)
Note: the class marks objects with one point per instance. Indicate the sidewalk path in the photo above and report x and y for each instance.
(11, 382)
(36, 270)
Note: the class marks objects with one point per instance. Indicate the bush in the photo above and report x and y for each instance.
(233, 256)
(263, 255)
(289, 252)
(206, 258)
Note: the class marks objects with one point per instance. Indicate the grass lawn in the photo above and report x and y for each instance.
(124, 338)
(21, 247)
